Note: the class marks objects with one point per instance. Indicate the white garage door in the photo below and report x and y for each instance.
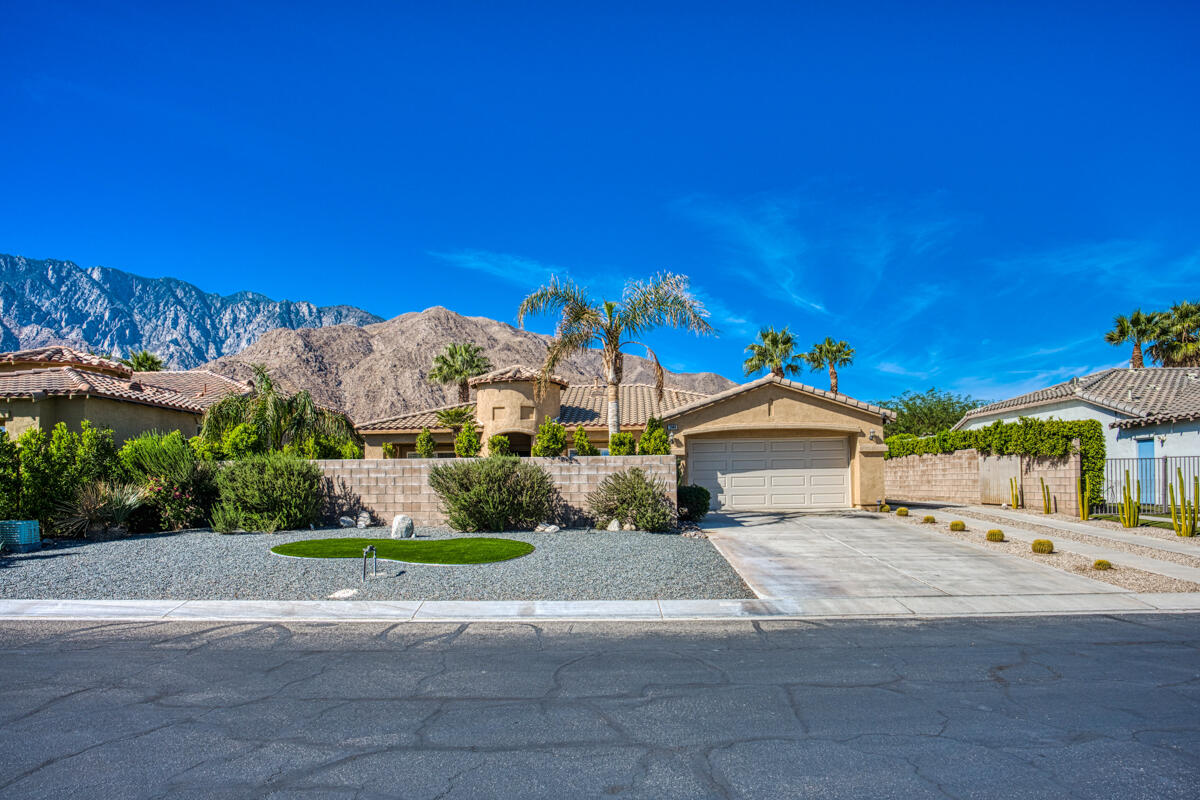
(772, 474)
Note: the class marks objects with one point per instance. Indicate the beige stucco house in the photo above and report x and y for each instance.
(44, 386)
(768, 444)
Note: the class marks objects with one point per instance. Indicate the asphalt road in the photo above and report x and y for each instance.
(1088, 707)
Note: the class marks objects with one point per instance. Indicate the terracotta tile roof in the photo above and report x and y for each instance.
(513, 373)
(836, 397)
(415, 421)
(56, 355)
(67, 381)
(203, 386)
(1145, 396)
(588, 405)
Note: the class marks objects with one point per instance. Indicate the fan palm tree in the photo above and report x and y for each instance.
(277, 417)
(455, 417)
(457, 364)
(609, 325)
(830, 355)
(1137, 328)
(143, 361)
(1177, 336)
(773, 351)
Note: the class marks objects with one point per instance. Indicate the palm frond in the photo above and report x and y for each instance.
(553, 298)
(665, 300)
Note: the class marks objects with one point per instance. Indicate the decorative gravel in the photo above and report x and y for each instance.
(203, 565)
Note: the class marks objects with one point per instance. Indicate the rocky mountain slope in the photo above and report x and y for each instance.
(46, 302)
(379, 370)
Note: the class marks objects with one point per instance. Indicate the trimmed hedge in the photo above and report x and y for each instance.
(1045, 438)
(268, 493)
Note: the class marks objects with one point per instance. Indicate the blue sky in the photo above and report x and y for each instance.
(966, 192)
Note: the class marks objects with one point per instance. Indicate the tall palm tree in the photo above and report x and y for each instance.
(143, 361)
(1138, 328)
(1177, 336)
(773, 351)
(457, 364)
(830, 355)
(279, 418)
(664, 301)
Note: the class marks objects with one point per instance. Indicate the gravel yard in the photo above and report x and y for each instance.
(202, 565)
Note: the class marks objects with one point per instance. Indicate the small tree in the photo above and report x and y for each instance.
(10, 478)
(241, 441)
(830, 355)
(37, 475)
(621, 444)
(498, 445)
(389, 449)
(583, 445)
(551, 440)
(654, 441)
(467, 444)
(426, 447)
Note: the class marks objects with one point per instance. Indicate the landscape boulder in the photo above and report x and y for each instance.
(346, 522)
(402, 526)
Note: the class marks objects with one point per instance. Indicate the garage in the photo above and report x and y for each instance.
(777, 473)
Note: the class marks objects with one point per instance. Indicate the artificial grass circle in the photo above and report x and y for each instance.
(465, 550)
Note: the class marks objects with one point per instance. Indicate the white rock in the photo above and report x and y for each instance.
(550, 529)
(402, 526)
(629, 526)
(615, 525)
(343, 594)
(540, 528)
(364, 519)
(346, 522)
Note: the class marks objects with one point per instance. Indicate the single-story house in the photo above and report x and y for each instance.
(771, 444)
(1146, 413)
(44, 386)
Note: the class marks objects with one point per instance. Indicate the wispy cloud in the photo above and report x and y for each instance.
(1115, 264)
(519, 270)
(893, 368)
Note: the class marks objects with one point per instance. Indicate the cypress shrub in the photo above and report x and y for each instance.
(583, 445)
(621, 444)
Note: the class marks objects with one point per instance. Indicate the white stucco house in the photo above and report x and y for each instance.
(1146, 413)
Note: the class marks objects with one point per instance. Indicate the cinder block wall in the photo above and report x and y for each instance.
(1062, 479)
(951, 477)
(386, 487)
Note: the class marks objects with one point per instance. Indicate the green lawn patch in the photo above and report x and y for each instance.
(467, 550)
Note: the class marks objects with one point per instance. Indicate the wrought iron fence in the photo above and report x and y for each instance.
(1154, 476)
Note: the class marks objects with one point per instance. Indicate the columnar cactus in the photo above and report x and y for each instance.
(1183, 513)
(1045, 497)
(1130, 508)
(1084, 488)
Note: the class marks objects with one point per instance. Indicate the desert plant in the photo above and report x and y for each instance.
(1129, 510)
(654, 441)
(389, 449)
(995, 535)
(1183, 513)
(1101, 564)
(830, 355)
(621, 444)
(426, 446)
(1045, 497)
(271, 492)
(494, 494)
(1083, 489)
(929, 519)
(1014, 491)
(455, 417)
(958, 525)
(632, 498)
(241, 441)
(551, 440)
(1042, 546)
(498, 445)
(226, 518)
(901, 512)
(10, 478)
(693, 502)
(1177, 336)
(99, 505)
(774, 351)
(143, 361)
(467, 444)
(885, 508)
(583, 445)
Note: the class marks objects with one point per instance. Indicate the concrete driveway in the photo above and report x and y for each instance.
(856, 562)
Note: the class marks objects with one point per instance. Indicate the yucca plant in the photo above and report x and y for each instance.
(99, 505)
(1183, 513)
(1130, 508)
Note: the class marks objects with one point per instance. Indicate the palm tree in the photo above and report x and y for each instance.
(143, 361)
(455, 417)
(1137, 328)
(457, 364)
(830, 355)
(277, 417)
(1177, 336)
(583, 322)
(776, 353)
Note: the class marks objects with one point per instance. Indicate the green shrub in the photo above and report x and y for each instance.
(271, 492)
(99, 505)
(958, 525)
(38, 481)
(583, 445)
(693, 502)
(10, 478)
(1043, 546)
(1101, 564)
(901, 512)
(226, 518)
(182, 487)
(320, 446)
(241, 441)
(498, 445)
(654, 441)
(885, 509)
(205, 449)
(350, 450)
(632, 497)
(389, 449)
(621, 444)
(929, 519)
(551, 440)
(426, 446)
(95, 454)
(467, 444)
(497, 493)
(995, 535)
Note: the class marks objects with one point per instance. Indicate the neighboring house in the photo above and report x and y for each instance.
(41, 387)
(768, 444)
(1145, 413)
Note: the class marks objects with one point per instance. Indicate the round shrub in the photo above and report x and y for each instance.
(693, 502)
(467, 444)
(632, 498)
(496, 493)
(995, 535)
(1043, 546)
(929, 519)
(622, 444)
(885, 509)
(583, 445)
(551, 440)
(270, 492)
(901, 512)
(498, 445)
(1101, 564)
(958, 525)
